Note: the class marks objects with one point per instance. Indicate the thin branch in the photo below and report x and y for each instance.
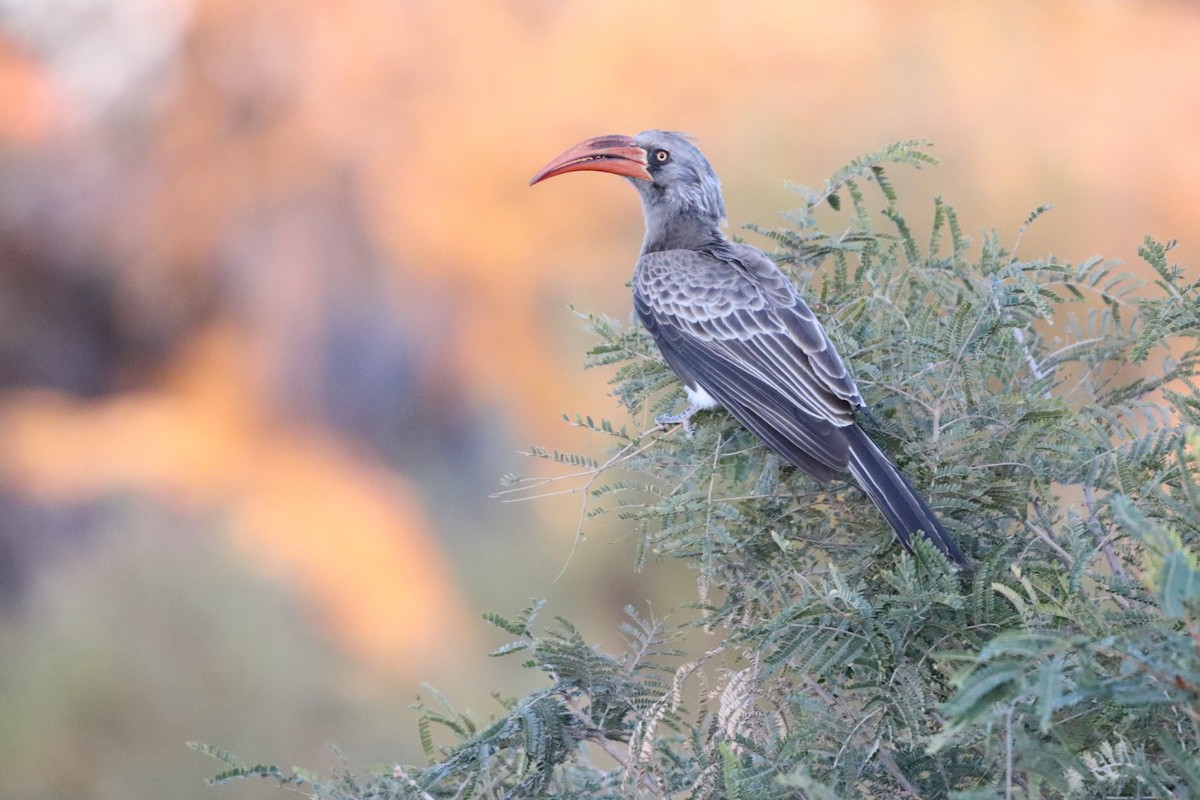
(595, 734)
(889, 763)
(1093, 522)
(1042, 533)
(1008, 752)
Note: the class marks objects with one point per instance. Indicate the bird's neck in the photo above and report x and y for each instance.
(680, 232)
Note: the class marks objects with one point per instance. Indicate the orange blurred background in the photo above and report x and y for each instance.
(277, 309)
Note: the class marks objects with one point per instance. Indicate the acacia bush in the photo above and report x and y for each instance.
(1049, 413)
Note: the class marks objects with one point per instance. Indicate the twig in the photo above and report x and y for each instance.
(702, 581)
(1044, 537)
(595, 734)
(1008, 753)
(889, 763)
(1042, 533)
(1114, 565)
(1105, 545)
(1035, 369)
(881, 752)
(532, 483)
(641, 443)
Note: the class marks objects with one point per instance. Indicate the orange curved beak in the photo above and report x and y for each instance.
(617, 154)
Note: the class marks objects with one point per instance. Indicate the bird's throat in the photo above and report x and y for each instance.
(681, 232)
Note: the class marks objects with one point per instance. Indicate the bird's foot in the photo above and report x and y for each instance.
(682, 418)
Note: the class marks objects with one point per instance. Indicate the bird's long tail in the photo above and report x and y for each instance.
(903, 508)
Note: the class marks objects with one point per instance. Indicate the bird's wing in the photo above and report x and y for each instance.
(732, 324)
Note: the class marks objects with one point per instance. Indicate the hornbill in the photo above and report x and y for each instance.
(736, 331)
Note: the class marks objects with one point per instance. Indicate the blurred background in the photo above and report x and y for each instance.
(277, 310)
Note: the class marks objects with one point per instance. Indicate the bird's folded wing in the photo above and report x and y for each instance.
(756, 347)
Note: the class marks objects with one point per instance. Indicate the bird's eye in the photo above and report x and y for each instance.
(662, 156)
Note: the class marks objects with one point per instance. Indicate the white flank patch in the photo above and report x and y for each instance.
(700, 398)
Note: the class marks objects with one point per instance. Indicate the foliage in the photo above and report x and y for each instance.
(1049, 412)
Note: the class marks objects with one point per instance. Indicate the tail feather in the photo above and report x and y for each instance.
(903, 508)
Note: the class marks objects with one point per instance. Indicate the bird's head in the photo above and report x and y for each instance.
(673, 177)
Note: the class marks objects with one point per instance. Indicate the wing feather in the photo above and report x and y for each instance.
(741, 332)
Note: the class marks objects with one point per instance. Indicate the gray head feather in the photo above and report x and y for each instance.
(683, 203)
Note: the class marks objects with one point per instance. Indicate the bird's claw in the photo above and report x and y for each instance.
(683, 418)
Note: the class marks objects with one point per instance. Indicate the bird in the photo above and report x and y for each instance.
(738, 334)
